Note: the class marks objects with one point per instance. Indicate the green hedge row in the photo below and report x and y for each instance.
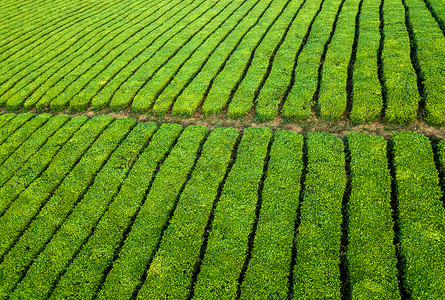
(316, 271)
(87, 270)
(172, 268)
(20, 136)
(438, 10)
(60, 205)
(193, 95)
(420, 216)
(34, 32)
(367, 101)
(29, 202)
(82, 220)
(332, 98)
(298, 104)
(140, 245)
(31, 40)
(170, 50)
(402, 95)
(172, 89)
(225, 82)
(84, 58)
(31, 81)
(10, 15)
(269, 268)
(430, 42)
(45, 51)
(5, 118)
(279, 78)
(30, 146)
(233, 219)
(371, 260)
(87, 68)
(160, 69)
(34, 167)
(244, 96)
(125, 55)
(14, 124)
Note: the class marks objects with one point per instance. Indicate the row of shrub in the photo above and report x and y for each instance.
(23, 209)
(420, 216)
(234, 219)
(34, 167)
(268, 272)
(402, 94)
(246, 90)
(195, 92)
(29, 144)
(88, 269)
(226, 81)
(141, 78)
(116, 66)
(332, 97)
(96, 49)
(371, 257)
(278, 80)
(172, 269)
(25, 69)
(77, 75)
(127, 271)
(298, 103)
(316, 271)
(59, 207)
(367, 101)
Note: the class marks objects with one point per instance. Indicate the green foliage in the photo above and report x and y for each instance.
(233, 219)
(367, 99)
(154, 214)
(279, 79)
(268, 270)
(5, 118)
(332, 97)
(402, 95)
(16, 139)
(87, 270)
(78, 226)
(15, 123)
(420, 216)
(60, 205)
(85, 28)
(244, 96)
(172, 268)
(31, 145)
(144, 79)
(19, 215)
(430, 42)
(196, 62)
(193, 95)
(94, 76)
(228, 78)
(299, 101)
(316, 272)
(27, 173)
(91, 51)
(371, 253)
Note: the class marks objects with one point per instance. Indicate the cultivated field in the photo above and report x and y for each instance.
(116, 209)
(354, 59)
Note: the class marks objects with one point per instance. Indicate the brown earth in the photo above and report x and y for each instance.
(340, 128)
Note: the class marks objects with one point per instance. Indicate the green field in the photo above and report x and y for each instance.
(358, 60)
(116, 209)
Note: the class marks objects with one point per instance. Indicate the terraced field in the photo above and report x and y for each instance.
(115, 209)
(354, 59)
